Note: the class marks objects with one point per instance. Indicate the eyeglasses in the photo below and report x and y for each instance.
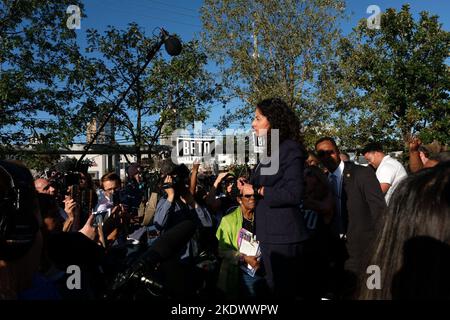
(248, 196)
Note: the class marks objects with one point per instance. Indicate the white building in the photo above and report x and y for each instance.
(103, 163)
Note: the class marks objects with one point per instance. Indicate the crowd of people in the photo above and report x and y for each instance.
(308, 231)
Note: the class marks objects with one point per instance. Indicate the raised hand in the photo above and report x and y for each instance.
(88, 229)
(220, 178)
(170, 191)
(414, 143)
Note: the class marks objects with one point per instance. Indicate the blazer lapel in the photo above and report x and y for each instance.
(347, 179)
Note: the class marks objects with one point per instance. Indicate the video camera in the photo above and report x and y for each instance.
(179, 174)
(228, 179)
(65, 174)
(61, 181)
(120, 197)
(206, 181)
(175, 181)
(150, 179)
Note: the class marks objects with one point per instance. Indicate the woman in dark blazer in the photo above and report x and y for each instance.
(278, 181)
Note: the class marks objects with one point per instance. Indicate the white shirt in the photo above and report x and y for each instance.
(103, 202)
(392, 172)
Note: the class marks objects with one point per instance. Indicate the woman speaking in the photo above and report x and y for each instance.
(280, 228)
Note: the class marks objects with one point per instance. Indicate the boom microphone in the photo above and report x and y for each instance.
(174, 240)
(165, 247)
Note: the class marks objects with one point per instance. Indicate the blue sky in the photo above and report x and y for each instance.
(183, 18)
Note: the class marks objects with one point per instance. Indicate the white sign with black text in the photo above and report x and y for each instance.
(191, 149)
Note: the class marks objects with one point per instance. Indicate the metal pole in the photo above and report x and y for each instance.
(150, 56)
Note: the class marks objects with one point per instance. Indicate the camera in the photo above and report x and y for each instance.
(179, 174)
(227, 180)
(175, 181)
(61, 181)
(115, 198)
(150, 179)
(71, 178)
(120, 197)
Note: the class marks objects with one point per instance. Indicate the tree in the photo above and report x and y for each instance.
(393, 81)
(169, 94)
(272, 48)
(38, 54)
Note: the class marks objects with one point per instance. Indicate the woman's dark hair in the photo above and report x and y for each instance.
(419, 210)
(281, 117)
(89, 181)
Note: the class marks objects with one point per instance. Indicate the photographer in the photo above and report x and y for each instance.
(87, 196)
(70, 183)
(181, 274)
(70, 213)
(219, 199)
(179, 205)
(115, 224)
(109, 185)
(134, 190)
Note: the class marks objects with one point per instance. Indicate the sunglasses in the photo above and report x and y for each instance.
(248, 196)
(323, 153)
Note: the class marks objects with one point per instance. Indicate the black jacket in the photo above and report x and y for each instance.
(278, 219)
(363, 207)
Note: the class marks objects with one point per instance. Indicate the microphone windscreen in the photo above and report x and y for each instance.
(173, 46)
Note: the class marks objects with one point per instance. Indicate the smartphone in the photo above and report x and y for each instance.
(75, 191)
(100, 217)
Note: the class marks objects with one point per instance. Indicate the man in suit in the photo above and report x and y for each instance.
(360, 208)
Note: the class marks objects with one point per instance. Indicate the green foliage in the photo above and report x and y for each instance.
(396, 78)
(170, 93)
(240, 170)
(273, 48)
(39, 162)
(38, 54)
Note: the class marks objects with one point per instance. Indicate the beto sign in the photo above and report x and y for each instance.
(190, 149)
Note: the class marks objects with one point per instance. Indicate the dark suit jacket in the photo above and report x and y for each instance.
(278, 219)
(362, 207)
